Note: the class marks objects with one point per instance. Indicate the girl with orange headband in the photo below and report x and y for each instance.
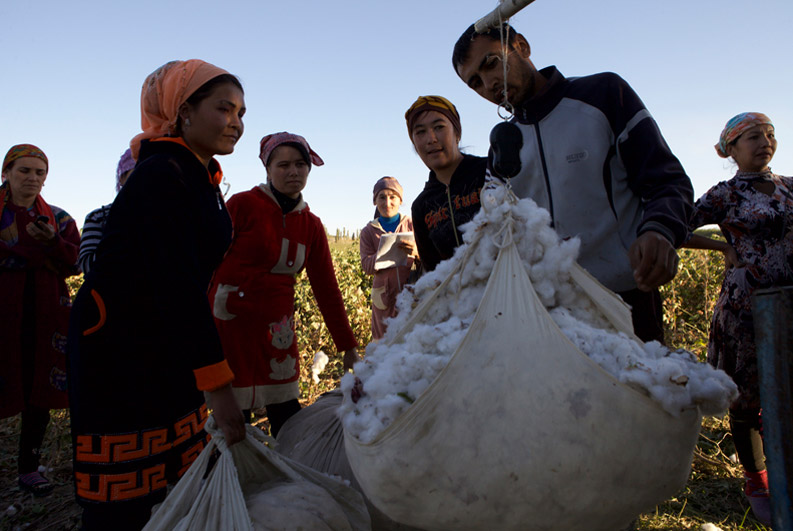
(451, 195)
(754, 211)
(143, 347)
(38, 251)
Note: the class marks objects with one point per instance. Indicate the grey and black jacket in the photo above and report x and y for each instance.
(594, 157)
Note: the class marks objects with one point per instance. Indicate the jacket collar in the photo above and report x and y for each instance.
(265, 188)
(433, 181)
(541, 104)
(214, 171)
(376, 222)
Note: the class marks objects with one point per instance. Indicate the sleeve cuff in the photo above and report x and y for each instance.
(347, 344)
(213, 376)
(660, 229)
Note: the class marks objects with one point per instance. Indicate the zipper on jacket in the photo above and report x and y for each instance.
(451, 214)
(536, 124)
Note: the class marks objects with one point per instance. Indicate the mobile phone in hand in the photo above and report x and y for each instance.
(42, 220)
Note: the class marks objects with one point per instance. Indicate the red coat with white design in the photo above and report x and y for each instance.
(253, 293)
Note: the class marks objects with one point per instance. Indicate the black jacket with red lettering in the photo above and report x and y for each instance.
(439, 210)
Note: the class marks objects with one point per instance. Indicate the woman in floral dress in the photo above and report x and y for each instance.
(754, 211)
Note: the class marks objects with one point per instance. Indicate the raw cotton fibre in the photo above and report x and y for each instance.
(320, 362)
(295, 504)
(398, 368)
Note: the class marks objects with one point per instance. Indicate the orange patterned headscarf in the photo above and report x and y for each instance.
(24, 150)
(9, 233)
(164, 91)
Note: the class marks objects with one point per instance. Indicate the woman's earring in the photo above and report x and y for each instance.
(187, 122)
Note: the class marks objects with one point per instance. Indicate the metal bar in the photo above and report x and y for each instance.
(773, 324)
(505, 9)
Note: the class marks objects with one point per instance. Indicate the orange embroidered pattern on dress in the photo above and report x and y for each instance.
(120, 487)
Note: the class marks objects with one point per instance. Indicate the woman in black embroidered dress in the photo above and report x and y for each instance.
(143, 348)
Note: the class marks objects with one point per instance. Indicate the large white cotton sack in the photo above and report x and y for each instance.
(294, 506)
(476, 411)
(435, 314)
(510, 437)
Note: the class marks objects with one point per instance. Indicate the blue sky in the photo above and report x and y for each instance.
(343, 73)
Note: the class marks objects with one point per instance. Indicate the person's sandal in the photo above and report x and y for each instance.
(35, 483)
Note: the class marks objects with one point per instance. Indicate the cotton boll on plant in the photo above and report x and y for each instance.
(405, 362)
(320, 362)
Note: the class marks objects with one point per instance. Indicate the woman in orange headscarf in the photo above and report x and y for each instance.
(143, 347)
(38, 250)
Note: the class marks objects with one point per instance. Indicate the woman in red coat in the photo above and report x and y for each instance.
(253, 292)
(38, 251)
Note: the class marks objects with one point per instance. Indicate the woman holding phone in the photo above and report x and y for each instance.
(38, 251)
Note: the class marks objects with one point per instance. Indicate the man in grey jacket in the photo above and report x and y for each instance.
(594, 157)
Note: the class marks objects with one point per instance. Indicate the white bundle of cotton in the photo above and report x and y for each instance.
(320, 362)
(674, 379)
(294, 504)
(392, 376)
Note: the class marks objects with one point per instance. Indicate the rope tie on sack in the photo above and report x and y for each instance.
(506, 105)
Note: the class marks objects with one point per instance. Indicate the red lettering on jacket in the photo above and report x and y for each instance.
(433, 217)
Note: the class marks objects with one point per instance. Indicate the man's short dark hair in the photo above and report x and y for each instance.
(463, 45)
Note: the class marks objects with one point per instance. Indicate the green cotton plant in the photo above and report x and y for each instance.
(690, 298)
(312, 333)
(74, 283)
